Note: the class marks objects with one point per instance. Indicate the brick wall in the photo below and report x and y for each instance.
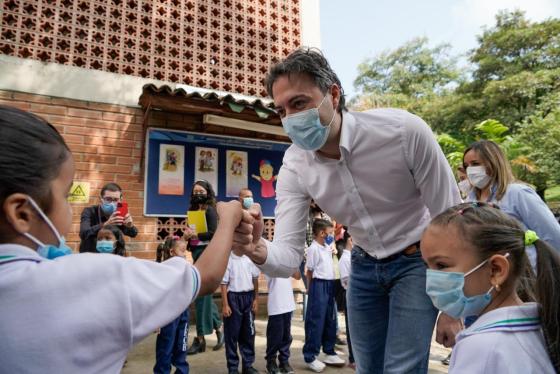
(106, 141)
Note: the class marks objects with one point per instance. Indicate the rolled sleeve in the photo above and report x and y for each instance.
(431, 171)
(285, 253)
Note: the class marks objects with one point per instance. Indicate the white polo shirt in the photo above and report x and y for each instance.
(240, 273)
(83, 312)
(344, 267)
(320, 261)
(280, 296)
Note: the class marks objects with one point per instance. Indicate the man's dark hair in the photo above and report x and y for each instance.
(320, 225)
(113, 187)
(311, 62)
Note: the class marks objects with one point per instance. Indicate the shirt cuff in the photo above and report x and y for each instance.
(196, 283)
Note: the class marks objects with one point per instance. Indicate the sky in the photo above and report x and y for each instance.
(354, 30)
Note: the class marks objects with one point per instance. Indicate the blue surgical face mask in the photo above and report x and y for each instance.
(329, 239)
(48, 251)
(105, 246)
(108, 208)
(306, 130)
(446, 291)
(247, 202)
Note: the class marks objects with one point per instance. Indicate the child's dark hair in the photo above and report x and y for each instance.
(120, 244)
(31, 152)
(320, 225)
(341, 243)
(164, 249)
(491, 231)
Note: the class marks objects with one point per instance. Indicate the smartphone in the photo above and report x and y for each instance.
(122, 209)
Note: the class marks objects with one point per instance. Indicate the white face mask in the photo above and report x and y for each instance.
(465, 186)
(477, 176)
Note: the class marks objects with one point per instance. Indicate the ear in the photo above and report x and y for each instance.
(500, 268)
(18, 212)
(335, 92)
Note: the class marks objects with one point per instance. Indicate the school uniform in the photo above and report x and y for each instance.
(239, 327)
(280, 308)
(171, 346)
(505, 340)
(320, 318)
(82, 313)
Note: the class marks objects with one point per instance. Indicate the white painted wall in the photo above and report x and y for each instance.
(310, 23)
(50, 79)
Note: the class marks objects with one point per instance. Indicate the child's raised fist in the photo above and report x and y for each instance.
(230, 213)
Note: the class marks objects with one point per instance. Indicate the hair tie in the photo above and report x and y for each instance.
(530, 237)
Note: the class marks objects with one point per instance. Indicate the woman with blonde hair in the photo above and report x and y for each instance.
(489, 172)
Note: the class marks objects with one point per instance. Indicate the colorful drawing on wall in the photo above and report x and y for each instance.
(171, 169)
(266, 178)
(236, 172)
(206, 165)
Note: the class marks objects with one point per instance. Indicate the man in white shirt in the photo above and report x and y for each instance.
(382, 173)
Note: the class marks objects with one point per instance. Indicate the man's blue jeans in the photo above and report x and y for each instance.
(391, 316)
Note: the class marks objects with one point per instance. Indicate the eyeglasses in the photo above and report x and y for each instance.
(110, 200)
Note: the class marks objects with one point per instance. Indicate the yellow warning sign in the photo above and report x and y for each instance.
(79, 193)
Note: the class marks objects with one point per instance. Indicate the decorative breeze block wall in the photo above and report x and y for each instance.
(225, 45)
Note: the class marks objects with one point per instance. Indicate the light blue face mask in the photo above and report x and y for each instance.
(105, 246)
(48, 251)
(306, 130)
(247, 202)
(108, 208)
(446, 291)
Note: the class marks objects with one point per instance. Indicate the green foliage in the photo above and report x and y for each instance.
(512, 95)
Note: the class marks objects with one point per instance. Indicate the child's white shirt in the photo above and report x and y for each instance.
(82, 313)
(344, 267)
(320, 261)
(280, 296)
(505, 340)
(240, 273)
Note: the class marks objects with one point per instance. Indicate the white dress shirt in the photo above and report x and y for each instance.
(240, 273)
(82, 313)
(320, 261)
(344, 267)
(280, 296)
(504, 340)
(391, 178)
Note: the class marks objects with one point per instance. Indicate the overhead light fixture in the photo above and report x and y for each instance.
(211, 119)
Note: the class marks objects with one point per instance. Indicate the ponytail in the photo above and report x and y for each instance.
(548, 296)
(164, 249)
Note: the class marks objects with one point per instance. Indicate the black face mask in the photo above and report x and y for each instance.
(199, 199)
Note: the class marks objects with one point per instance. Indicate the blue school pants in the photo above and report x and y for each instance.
(278, 337)
(171, 346)
(320, 320)
(239, 330)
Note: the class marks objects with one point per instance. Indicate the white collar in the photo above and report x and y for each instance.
(16, 252)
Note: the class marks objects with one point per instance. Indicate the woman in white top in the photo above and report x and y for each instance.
(476, 256)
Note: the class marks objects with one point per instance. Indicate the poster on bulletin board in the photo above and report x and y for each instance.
(228, 163)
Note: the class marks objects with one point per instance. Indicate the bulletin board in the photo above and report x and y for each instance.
(175, 159)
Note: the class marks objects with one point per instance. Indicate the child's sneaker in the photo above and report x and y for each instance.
(250, 370)
(316, 366)
(285, 368)
(334, 360)
(272, 368)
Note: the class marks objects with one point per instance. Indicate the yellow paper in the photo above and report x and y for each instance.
(79, 193)
(197, 218)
